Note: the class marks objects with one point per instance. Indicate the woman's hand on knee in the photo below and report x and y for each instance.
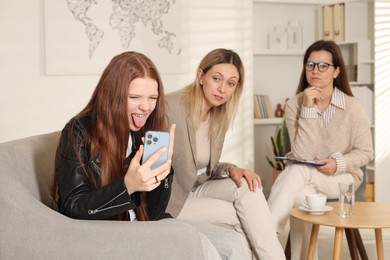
(253, 179)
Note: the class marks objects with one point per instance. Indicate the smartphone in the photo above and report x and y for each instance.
(154, 141)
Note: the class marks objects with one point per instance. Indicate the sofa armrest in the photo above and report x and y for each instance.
(31, 230)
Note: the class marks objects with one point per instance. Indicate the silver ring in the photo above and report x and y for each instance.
(156, 179)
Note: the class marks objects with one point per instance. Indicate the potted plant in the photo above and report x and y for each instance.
(280, 146)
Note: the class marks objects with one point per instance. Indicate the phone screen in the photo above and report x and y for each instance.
(154, 141)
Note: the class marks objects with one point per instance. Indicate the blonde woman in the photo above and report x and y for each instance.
(205, 189)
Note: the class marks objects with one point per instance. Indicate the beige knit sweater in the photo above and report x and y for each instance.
(347, 137)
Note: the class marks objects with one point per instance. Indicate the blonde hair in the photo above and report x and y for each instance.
(221, 117)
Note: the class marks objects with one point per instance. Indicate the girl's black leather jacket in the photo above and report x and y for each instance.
(77, 198)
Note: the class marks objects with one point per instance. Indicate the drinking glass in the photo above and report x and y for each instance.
(346, 198)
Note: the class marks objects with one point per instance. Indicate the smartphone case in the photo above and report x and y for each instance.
(154, 141)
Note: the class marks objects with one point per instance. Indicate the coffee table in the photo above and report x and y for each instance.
(367, 215)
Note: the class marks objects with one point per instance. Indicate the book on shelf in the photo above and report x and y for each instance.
(268, 106)
(262, 107)
(256, 106)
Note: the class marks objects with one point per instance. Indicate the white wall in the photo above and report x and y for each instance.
(382, 97)
(33, 103)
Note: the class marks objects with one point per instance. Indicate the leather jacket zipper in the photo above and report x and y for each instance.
(166, 184)
(101, 208)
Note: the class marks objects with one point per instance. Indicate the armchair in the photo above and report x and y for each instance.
(31, 229)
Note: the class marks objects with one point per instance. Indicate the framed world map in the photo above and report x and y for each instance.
(81, 36)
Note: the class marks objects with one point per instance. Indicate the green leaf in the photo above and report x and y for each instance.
(270, 162)
(279, 146)
(275, 146)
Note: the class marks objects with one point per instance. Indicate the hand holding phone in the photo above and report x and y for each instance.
(154, 141)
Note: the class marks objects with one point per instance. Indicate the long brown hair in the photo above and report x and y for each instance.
(222, 116)
(109, 132)
(341, 82)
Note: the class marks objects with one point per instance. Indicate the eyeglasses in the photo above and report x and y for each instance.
(322, 66)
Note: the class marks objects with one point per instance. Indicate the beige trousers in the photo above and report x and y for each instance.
(222, 202)
(289, 190)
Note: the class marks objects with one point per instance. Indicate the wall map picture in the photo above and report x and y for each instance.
(81, 36)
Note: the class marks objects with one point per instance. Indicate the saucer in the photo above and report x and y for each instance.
(316, 212)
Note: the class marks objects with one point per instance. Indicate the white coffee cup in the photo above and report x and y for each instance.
(315, 201)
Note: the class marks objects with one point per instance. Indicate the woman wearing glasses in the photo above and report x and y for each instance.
(325, 124)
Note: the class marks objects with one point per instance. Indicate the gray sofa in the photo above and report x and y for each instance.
(31, 229)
